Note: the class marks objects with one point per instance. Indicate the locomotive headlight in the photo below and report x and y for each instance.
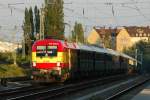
(58, 69)
(34, 64)
(58, 63)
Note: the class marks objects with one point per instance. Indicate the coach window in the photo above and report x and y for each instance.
(41, 51)
(52, 50)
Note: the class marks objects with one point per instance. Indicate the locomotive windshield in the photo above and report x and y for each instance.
(46, 50)
(52, 50)
(41, 51)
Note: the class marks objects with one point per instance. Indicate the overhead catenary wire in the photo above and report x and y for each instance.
(99, 15)
(140, 12)
(108, 3)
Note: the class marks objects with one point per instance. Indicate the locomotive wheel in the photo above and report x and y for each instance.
(64, 77)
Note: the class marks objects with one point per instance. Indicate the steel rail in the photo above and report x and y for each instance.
(127, 89)
(47, 94)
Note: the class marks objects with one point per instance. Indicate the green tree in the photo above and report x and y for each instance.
(27, 24)
(27, 31)
(143, 48)
(54, 19)
(107, 40)
(78, 33)
(73, 36)
(31, 23)
(140, 46)
(37, 19)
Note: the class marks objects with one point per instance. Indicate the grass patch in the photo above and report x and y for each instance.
(11, 70)
(6, 58)
(8, 69)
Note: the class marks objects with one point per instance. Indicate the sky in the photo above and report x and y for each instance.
(109, 13)
(11, 15)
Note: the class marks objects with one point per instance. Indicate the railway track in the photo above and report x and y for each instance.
(12, 93)
(113, 92)
(127, 87)
(65, 89)
(4, 81)
(18, 90)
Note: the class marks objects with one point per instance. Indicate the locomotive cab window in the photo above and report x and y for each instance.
(52, 50)
(41, 51)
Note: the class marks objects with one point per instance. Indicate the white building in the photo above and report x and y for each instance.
(8, 47)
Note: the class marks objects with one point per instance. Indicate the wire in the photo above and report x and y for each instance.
(140, 12)
(114, 3)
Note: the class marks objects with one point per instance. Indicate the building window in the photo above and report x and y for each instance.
(144, 34)
(140, 34)
(136, 34)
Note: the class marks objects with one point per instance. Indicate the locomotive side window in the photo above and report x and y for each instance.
(40, 51)
(52, 50)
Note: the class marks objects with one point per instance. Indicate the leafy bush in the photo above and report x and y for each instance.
(23, 61)
(6, 58)
(11, 70)
(8, 69)
(144, 48)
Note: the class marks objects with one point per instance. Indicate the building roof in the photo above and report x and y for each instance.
(103, 31)
(135, 31)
